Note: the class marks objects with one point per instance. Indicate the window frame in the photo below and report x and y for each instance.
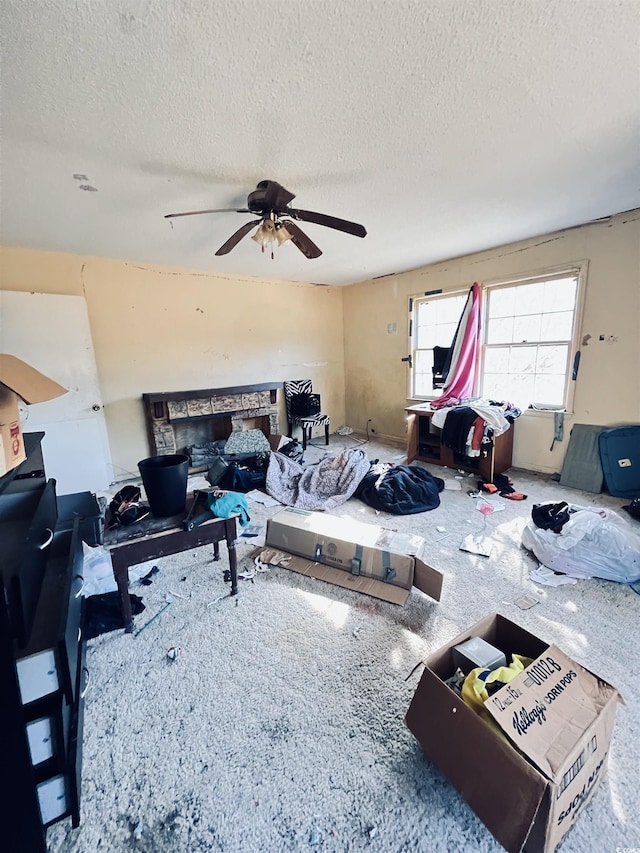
(413, 334)
(578, 269)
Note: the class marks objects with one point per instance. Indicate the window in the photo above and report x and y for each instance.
(435, 322)
(529, 333)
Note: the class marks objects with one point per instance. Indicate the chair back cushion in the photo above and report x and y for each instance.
(297, 386)
(293, 388)
(304, 405)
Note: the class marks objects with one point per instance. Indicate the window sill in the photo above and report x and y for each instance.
(544, 413)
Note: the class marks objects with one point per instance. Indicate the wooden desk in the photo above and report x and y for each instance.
(423, 442)
(160, 537)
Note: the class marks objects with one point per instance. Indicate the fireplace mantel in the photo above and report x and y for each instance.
(178, 418)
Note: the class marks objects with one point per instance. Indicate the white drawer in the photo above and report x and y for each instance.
(52, 797)
(37, 675)
(40, 735)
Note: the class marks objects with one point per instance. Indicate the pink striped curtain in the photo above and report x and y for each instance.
(460, 382)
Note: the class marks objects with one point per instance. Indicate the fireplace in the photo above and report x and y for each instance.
(181, 419)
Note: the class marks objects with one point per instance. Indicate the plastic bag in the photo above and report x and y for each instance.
(97, 571)
(594, 543)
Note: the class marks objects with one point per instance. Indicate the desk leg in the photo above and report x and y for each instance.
(230, 529)
(121, 574)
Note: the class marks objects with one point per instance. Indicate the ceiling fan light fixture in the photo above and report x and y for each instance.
(265, 233)
(282, 235)
(270, 231)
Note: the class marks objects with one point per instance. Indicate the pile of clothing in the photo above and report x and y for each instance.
(587, 542)
(467, 426)
(396, 489)
(633, 508)
(399, 489)
(503, 486)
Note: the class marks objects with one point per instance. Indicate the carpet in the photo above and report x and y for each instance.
(275, 723)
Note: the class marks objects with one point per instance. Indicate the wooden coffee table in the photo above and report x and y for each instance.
(160, 537)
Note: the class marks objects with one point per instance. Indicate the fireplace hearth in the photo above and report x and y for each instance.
(180, 419)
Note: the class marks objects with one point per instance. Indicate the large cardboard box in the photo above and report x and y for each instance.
(529, 777)
(352, 554)
(19, 380)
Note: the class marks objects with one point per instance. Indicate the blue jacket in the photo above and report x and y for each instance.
(228, 504)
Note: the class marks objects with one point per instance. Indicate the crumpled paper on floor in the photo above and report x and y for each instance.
(547, 577)
(271, 557)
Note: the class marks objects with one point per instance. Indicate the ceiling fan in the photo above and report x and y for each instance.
(270, 201)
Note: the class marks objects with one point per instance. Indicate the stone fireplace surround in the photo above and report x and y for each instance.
(180, 419)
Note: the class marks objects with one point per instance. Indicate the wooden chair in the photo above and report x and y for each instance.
(292, 390)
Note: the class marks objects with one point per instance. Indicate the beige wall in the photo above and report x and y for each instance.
(608, 387)
(160, 329)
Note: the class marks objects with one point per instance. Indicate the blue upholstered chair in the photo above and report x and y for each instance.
(306, 422)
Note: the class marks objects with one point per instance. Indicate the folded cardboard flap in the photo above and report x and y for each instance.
(337, 577)
(427, 579)
(19, 380)
(27, 382)
(276, 441)
(548, 708)
(529, 784)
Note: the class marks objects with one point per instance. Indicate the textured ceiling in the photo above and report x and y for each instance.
(443, 126)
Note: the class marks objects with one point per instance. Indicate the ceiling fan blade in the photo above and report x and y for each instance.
(198, 212)
(330, 222)
(301, 241)
(237, 236)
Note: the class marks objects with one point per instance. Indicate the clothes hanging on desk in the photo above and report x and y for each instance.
(498, 416)
(476, 435)
(466, 427)
(456, 428)
(493, 414)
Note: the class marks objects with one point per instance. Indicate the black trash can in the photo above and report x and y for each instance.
(165, 483)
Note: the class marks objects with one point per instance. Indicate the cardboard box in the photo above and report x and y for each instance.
(531, 776)
(19, 380)
(364, 557)
(276, 441)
